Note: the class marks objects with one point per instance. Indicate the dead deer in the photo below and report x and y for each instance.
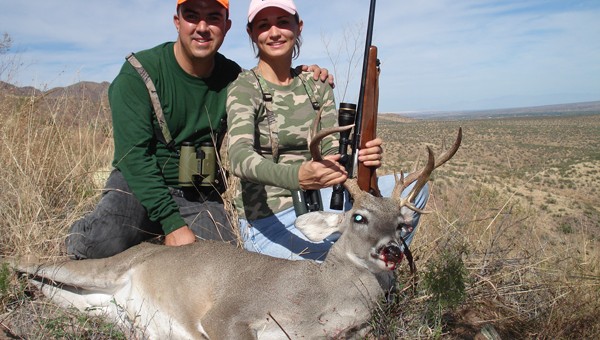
(211, 290)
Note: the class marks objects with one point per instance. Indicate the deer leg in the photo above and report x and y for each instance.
(218, 324)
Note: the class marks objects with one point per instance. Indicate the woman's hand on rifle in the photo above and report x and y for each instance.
(321, 174)
(372, 154)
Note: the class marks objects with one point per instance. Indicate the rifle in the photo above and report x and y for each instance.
(365, 119)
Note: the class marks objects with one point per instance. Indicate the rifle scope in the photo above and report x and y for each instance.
(346, 116)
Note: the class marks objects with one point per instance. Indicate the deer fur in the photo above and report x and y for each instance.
(211, 290)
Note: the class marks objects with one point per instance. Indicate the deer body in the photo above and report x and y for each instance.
(211, 290)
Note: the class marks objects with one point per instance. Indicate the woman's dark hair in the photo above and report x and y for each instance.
(297, 43)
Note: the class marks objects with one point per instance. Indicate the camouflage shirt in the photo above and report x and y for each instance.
(265, 183)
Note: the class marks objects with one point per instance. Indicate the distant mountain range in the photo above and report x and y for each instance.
(85, 90)
(98, 92)
(544, 110)
(82, 102)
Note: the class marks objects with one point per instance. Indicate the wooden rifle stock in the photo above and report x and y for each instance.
(366, 176)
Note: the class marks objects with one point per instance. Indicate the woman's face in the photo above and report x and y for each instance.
(274, 31)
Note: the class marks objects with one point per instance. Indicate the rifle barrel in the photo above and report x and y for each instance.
(360, 107)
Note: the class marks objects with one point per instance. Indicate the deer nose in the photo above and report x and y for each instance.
(392, 252)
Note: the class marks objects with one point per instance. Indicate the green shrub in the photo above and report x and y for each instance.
(4, 280)
(565, 228)
(445, 281)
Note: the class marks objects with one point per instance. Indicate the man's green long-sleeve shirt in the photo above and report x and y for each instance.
(193, 108)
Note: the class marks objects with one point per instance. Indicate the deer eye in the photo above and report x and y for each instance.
(357, 218)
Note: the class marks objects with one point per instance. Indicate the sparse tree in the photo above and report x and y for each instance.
(5, 43)
(8, 62)
(345, 58)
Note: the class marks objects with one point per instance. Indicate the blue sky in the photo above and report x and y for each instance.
(435, 54)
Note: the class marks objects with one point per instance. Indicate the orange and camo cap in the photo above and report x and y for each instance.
(224, 3)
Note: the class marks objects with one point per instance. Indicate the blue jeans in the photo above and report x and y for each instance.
(278, 237)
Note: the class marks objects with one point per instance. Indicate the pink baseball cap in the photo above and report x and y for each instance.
(258, 5)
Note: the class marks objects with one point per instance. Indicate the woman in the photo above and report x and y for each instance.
(271, 109)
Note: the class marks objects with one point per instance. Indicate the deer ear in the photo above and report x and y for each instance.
(317, 225)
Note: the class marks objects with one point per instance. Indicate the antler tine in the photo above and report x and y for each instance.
(441, 160)
(421, 180)
(315, 142)
(402, 184)
(351, 184)
(316, 137)
(398, 186)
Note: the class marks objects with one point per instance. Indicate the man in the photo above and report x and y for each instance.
(142, 197)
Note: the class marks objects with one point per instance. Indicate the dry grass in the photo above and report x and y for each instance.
(50, 152)
(519, 204)
(517, 211)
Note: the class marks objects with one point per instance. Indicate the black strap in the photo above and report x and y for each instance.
(409, 257)
(272, 120)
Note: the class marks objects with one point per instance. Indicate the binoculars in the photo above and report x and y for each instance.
(197, 168)
(306, 201)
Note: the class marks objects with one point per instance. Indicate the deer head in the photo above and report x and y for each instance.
(371, 230)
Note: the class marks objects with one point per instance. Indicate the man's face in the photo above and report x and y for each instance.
(202, 25)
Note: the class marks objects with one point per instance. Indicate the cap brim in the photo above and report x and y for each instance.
(253, 14)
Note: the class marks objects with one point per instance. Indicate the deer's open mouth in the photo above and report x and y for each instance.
(390, 255)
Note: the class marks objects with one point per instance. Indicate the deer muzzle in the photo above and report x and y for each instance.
(390, 254)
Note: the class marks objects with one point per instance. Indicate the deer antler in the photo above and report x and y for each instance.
(441, 160)
(421, 180)
(315, 152)
(351, 184)
(423, 176)
(316, 137)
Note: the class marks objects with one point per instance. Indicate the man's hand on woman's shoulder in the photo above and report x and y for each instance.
(318, 73)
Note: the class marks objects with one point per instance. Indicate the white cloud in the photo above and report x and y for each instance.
(438, 54)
